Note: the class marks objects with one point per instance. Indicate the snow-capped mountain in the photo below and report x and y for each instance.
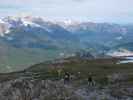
(86, 32)
(9, 23)
(14, 22)
(29, 37)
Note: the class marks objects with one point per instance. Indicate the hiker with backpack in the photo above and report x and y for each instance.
(90, 80)
(66, 78)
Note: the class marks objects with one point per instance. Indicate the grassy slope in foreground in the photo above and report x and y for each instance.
(45, 74)
(100, 69)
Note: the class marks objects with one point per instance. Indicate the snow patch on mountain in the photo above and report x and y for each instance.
(120, 53)
(68, 22)
(4, 28)
(2, 22)
(119, 38)
(26, 23)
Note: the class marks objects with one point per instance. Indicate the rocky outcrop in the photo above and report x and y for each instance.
(23, 89)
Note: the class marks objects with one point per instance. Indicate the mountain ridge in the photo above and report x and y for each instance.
(29, 40)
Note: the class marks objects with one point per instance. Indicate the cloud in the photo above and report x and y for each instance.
(95, 10)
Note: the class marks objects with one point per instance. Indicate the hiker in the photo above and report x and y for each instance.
(90, 80)
(66, 78)
(59, 71)
(78, 75)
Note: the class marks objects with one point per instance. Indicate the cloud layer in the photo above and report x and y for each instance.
(120, 11)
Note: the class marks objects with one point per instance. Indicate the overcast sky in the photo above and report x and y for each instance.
(118, 11)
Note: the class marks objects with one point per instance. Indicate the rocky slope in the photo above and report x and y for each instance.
(41, 81)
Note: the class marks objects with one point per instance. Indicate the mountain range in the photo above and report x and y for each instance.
(28, 40)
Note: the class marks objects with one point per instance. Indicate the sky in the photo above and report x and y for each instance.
(114, 11)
